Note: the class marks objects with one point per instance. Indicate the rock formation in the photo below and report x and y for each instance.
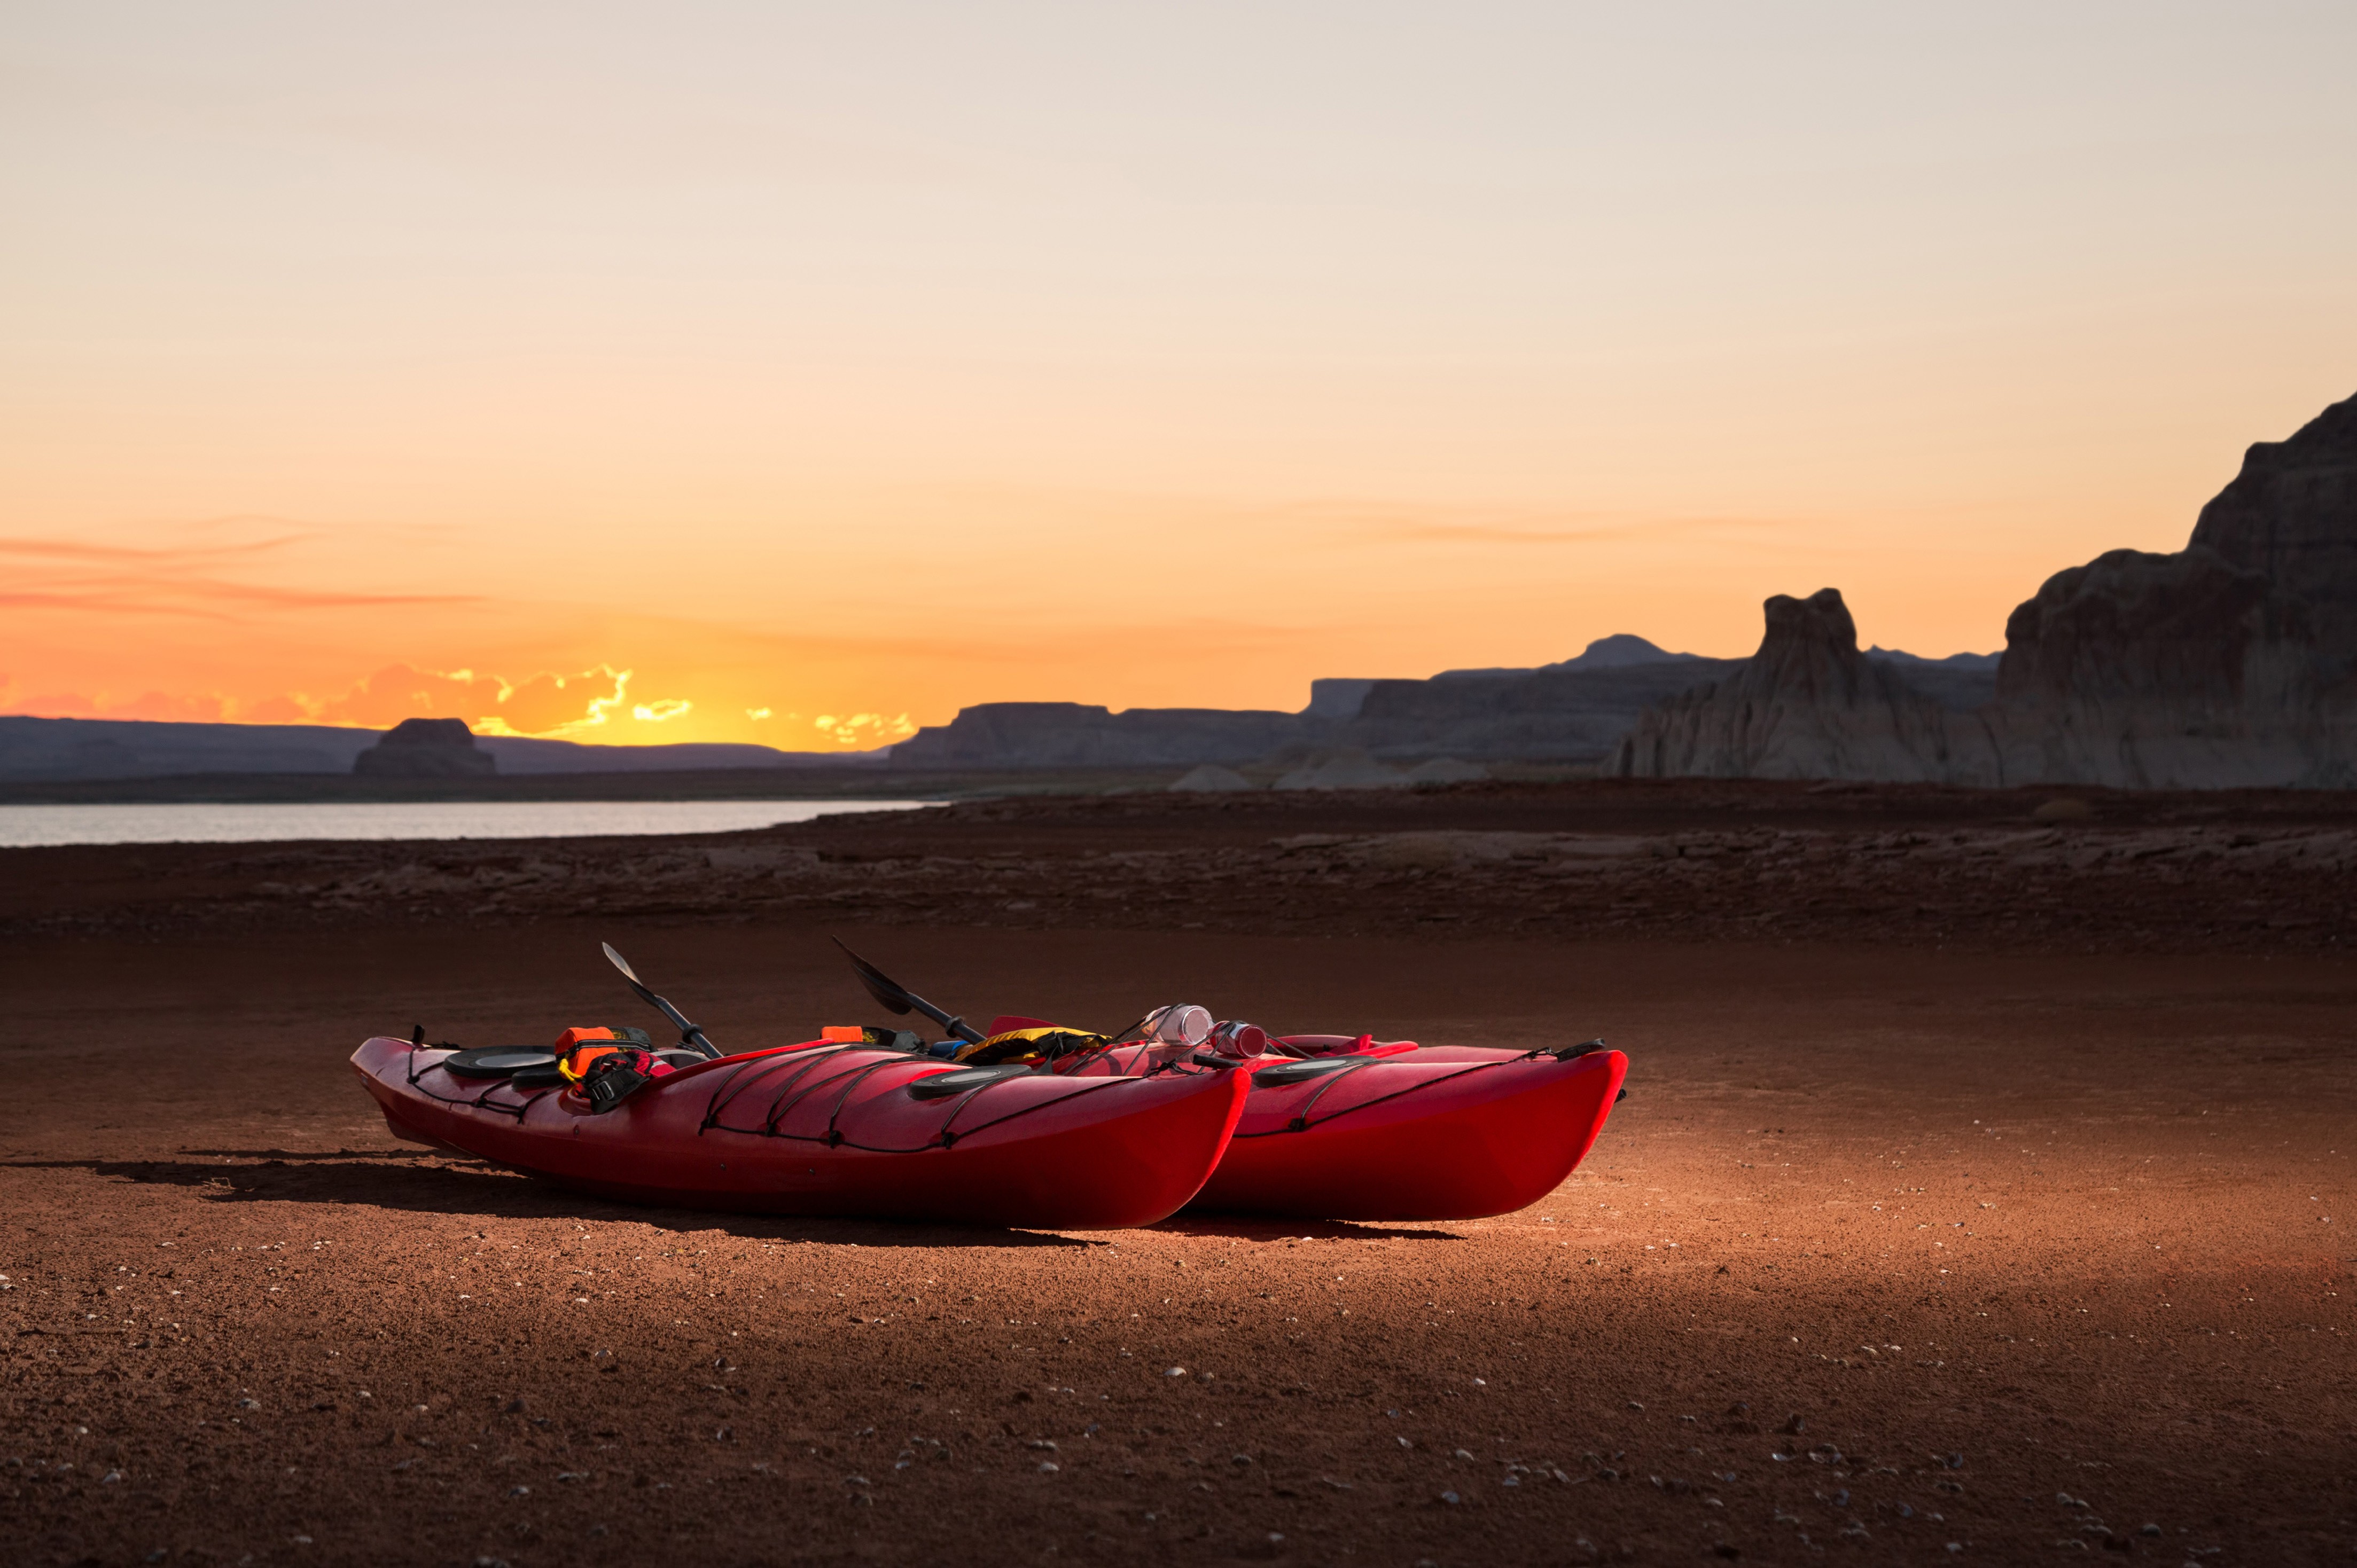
(425, 748)
(2231, 662)
(2291, 516)
(1337, 697)
(1572, 711)
(1809, 705)
(1619, 651)
(1614, 652)
(59, 749)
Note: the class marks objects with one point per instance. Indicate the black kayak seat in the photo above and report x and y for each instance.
(497, 1061)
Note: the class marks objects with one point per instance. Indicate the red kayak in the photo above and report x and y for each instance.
(1351, 1129)
(1453, 1133)
(830, 1128)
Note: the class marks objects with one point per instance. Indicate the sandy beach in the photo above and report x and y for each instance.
(1988, 1198)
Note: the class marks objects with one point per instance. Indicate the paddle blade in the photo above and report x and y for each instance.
(896, 997)
(645, 996)
(889, 993)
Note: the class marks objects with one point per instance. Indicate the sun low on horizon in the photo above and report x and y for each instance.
(801, 374)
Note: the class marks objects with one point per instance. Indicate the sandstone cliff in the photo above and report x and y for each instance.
(1810, 705)
(1572, 712)
(2231, 662)
(2226, 663)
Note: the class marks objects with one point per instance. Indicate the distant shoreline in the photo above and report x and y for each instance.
(703, 784)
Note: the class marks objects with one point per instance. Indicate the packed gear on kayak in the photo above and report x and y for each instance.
(577, 1047)
(1034, 1047)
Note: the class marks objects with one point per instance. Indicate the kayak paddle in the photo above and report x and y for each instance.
(894, 997)
(689, 1034)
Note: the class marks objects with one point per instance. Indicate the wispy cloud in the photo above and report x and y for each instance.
(175, 578)
(206, 600)
(21, 546)
(1584, 533)
(1512, 529)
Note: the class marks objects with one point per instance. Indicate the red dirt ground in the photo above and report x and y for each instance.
(1899, 1240)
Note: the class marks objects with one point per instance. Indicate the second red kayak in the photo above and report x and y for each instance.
(1413, 1136)
(1394, 1131)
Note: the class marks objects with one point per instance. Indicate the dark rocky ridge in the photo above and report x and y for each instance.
(1572, 711)
(1612, 652)
(2291, 517)
(1561, 714)
(2228, 662)
(64, 750)
(1079, 734)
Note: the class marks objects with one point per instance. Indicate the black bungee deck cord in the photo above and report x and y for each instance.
(948, 1136)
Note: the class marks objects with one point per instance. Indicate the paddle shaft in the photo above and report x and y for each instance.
(688, 1033)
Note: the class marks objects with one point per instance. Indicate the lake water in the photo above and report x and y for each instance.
(23, 826)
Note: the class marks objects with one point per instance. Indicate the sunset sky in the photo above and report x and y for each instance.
(791, 373)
